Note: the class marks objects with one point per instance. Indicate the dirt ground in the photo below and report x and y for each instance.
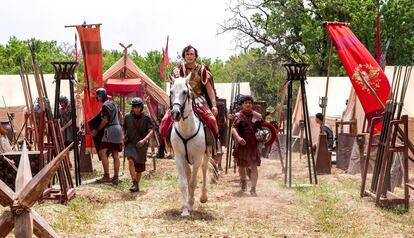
(332, 208)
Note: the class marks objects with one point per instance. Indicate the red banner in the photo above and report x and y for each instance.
(165, 60)
(361, 68)
(90, 42)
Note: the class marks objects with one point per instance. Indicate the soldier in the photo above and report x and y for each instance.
(4, 141)
(138, 131)
(246, 155)
(112, 137)
(66, 119)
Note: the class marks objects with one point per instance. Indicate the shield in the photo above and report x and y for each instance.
(270, 131)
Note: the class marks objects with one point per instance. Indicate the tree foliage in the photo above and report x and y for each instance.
(292, 31)
(15, 50)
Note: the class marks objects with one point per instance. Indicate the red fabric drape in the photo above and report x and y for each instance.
(90, 42)
(124, 87)
(356, 58)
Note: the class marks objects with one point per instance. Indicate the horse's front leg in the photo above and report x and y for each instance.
(179, 162)
(190, 185)
(204, 168)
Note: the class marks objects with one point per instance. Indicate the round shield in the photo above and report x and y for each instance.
(270, 133)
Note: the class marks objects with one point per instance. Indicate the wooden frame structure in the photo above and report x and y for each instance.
(21, 216)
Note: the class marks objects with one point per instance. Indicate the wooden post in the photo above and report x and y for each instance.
(6, 223)
(325, 101)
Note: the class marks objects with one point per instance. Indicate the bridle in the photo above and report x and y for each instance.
(182, 106)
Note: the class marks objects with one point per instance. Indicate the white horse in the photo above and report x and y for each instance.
(188, 143)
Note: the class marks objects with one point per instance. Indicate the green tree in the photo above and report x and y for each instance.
(292, 31)
(266, 77)
(150, 65)
(15, 50)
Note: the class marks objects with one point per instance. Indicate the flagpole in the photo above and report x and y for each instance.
(76, 47)
(378, 34)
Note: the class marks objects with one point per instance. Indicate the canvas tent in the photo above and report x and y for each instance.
(131, 74)
(223, 90)
(12, 91)
(340, 91)
(126, 79)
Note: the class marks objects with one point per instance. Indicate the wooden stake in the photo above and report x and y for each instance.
(24, 173)
(6, 223)
(41, 228)
(23, 224)
(34, 189)
(6, 195)
(24, 220)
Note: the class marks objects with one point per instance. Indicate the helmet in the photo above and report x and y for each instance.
(63, 99)
(137, 102)
(102, 92)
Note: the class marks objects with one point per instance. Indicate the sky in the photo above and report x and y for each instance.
(145, 24)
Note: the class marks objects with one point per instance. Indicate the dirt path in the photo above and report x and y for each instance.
(331, 209)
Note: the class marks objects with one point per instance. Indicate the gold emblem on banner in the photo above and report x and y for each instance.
(369, 74)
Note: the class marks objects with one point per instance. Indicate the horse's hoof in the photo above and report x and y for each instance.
(203, 199)
(185, 213)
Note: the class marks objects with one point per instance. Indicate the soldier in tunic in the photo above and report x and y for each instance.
(246, 155)
(112, 138)
(65, 118)
(138, 130)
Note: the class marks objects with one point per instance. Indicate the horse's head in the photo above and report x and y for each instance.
(180, 97)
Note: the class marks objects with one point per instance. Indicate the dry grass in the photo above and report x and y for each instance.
(333, 208)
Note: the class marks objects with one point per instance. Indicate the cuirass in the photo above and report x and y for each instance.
(195, 82)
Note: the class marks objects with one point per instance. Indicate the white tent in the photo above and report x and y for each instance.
(340, 90)
(338, 93)
(11, 90)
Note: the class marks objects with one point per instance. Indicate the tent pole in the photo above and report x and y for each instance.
(325, 99)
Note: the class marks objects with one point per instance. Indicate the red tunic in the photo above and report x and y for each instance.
(246, 125)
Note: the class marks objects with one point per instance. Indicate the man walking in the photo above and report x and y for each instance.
(138, 130)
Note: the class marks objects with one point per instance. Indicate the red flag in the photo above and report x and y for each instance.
(90, 41)
(162, 75)
(165, 55)
(164, 60)
(358, 61)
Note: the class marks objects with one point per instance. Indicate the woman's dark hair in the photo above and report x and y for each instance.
(187, 48)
